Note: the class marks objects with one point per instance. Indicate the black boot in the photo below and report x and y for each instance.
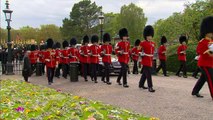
(151, 89)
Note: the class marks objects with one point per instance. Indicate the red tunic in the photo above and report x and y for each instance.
(84, 50)
(181, 56)
(95, 51)
(161, 52)
(135, 53)
(148, 47)
(33, 56)
(41, 56)
(50, 58)
(107, 50)
(205, 60)
(74, 54)
(58, 56)
(65, 56)
(123, 46)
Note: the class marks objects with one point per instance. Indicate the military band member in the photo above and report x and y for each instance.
(41, 58)
(205, 61)
(50, 60)
(162, 56)
(122, 50)
(181, 51)
(147, 51)
(73, 51)
(33, 55)
(84, 50)
(65, 59)
(94, 57)
(58, 59)
(106, 51)
(135, 56)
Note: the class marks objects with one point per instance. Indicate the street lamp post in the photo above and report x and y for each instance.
(9, 65)
(101, 22)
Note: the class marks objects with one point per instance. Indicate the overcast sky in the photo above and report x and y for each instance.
(38, 12)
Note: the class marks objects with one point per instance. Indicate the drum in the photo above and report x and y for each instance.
(38, 69)
(74, 71)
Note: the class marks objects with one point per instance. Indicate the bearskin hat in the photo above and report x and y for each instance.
(106, 37)
(50, 43)
(182, 39)
(86, 39)
(206, 26)
(123, 32)
(57, 45)
(73, 41)
(33, 47)
(43, 47)
(148, 31)
(137, 42)
(94, 39)
(65, 44)
(163, 40)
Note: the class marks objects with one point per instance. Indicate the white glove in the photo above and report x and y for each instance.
(211, 47)
(141, 54)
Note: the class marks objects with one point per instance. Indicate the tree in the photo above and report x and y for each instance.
(132, 17)
(83, 20)
(49, 31)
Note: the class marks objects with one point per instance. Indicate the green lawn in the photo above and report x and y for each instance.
(25, 101)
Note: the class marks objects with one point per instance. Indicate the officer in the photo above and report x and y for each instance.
(205, 61)
(122, 50)
(135, 56)
(147, 51)
(106, 51)
(162, 56)
(181, 51)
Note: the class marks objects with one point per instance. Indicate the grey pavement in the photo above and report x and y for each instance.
(171, 101)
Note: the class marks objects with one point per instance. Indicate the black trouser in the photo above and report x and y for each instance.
(135, 67)
(43, 68)
(146, 74)
(33, 67)
(85, 70)
(207, 75)
(106, 71)
(26, 78)
(50, 74)
(65, 69)
(94, 71)
(57, 71)
(163, 66)
(123, 73)
(3, 68)
(182, 67)
(196, 72)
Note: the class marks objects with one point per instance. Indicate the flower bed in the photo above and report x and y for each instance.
(23, 101)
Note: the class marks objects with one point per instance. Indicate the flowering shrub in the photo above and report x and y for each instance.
(24, 101)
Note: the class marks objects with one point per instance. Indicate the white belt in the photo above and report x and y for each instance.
(125, 53)
(107, 54)
(66, 57)
(95, 55)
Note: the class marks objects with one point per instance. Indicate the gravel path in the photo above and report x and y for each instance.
(171, 101)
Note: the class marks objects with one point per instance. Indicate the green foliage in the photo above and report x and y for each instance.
(83, 20)
(186, 23)
(172, 58)
(132, 17)
(21, 100)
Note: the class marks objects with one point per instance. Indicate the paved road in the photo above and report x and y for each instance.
(171, 101)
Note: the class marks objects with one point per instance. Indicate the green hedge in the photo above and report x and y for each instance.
(172, 58)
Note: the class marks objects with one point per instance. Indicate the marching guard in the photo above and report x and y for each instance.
(135, 56)
(73, 51)
(65, 59)
(162, 56)
(50, 60)
(94, 57)
(58, 59)
(106, 51)
(84, 52)
(181, 51)
(205, 61)
(122, 50)
(147, 51)
(33, 55)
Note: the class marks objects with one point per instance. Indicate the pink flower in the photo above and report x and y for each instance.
(20, 109)
(58, 90)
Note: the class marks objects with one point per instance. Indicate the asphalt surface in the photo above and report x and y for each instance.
(171, 101)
